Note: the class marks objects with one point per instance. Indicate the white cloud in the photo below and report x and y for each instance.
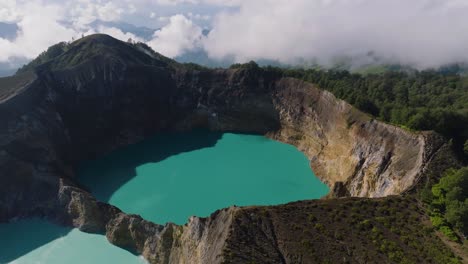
(84, 12)
(132, 9)
(209, 2)
(176, 2)
(164, 18)
(177, 37)
(8, 11)
(198, 16)
(109, 11)
(424, 33)
(38, 29)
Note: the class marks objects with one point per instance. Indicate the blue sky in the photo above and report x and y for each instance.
(420, 33)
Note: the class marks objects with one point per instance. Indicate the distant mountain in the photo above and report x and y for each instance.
(199, 56)
(8, 31)
(9, 68)
(6, 72)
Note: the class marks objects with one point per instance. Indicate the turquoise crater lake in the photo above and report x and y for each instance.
(171, 177)
(168, 178)
(38, 241)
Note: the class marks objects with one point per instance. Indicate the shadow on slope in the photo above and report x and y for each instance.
(20, 238)
(104, 181)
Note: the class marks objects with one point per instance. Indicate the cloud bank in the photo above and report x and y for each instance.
(421, 33)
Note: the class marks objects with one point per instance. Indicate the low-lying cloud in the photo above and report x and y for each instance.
(179, 36)
(421, 33)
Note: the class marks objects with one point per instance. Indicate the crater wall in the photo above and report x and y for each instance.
(60, 117)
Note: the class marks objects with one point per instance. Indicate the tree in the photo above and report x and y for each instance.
(366, 105)
(465, 148)
(457, 215)
(421, 121)
(450, 201)
(452, 179)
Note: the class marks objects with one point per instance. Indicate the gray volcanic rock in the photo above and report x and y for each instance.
(83, 209)
(102, 94)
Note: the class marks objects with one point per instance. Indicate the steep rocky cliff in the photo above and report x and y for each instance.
(370, 158)
(102, 93)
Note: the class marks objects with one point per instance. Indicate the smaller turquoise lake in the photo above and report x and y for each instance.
(37, 241)
(171, 177)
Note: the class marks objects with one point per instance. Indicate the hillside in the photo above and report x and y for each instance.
(100, 94)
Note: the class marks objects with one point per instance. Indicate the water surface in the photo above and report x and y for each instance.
(171, 177)
(40, 242)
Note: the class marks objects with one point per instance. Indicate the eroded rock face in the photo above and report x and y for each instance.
(366, 157)
(61, 117)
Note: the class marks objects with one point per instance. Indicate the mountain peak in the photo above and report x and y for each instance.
(97, 48)
(98, 38)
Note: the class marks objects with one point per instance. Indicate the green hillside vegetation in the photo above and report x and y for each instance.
(393, 229)
(95, 47)
(11, 85)
(448, 203)
(51, 53)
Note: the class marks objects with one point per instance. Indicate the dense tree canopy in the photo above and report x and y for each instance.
(465, 148)
(449, 202)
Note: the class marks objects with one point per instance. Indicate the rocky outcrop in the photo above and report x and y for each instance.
(80, 106)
